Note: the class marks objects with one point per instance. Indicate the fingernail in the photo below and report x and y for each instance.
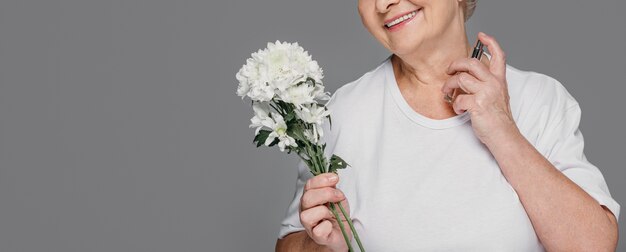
(338, 193)
(333, 178)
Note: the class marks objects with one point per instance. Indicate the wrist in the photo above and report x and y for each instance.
(508, 148)
(504, 136)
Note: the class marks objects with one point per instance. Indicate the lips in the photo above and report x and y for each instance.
(401, 19)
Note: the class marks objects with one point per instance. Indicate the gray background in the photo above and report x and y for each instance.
(120, 129)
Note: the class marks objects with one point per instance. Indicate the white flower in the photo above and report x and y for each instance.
(261, 117)
(318, 93)
(244, 86)
(312, 113)
(298, 95)
(275, 69)
(261, 92)
(279, 130)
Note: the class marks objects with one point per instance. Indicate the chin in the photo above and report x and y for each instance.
(402, 42)
(404, 47)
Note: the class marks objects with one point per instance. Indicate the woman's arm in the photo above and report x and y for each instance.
(563, 215)
(298, 241)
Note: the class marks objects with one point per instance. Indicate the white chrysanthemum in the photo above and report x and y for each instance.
(279, 130)
(275, 69)
(298, 95)
(312, 113)
(318, 93)
(261, 117)
(261, 92)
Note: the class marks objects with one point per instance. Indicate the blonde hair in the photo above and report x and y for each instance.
(470, 5)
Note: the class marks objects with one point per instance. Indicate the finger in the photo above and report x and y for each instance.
(312, 216)
(322, 180)
(497, 64)
(462, 103)
(464, 81)
(471, 65)
(321, 232)
(320, 196)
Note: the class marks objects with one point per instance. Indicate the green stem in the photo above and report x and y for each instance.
(277, 110)
(313, 159)
(356, 236)
(318, 166)
(322, 158)
(309, 152)
(343, 230)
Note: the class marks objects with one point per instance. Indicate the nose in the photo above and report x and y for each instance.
(383, 6)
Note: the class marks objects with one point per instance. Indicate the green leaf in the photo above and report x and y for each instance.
(261, 137)
(330, 123)
(299, 83)
(290, 116)
(336, 163)
(308, 163)
(274, 142)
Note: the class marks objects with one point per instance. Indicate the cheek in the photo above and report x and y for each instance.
(380, 35)
(372, 25)
(367, 17)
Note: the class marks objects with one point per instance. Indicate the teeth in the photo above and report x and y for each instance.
(400, 19)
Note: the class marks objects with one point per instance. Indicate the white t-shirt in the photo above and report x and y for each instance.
(420, 184)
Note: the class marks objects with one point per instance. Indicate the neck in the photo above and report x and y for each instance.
(426, 66)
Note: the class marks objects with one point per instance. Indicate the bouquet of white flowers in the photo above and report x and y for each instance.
(285, 84)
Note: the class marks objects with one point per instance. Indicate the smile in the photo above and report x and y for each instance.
(401, 19)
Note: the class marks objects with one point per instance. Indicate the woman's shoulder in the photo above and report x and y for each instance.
(531, 89)
(364, 90)
(537, 101)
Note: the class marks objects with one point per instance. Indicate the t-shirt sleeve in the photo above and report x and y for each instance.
(565, 145)
(291, 222)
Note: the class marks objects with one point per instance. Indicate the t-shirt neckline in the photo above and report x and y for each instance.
(412, 114)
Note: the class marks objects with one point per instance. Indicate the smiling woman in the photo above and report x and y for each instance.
(502, 168)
